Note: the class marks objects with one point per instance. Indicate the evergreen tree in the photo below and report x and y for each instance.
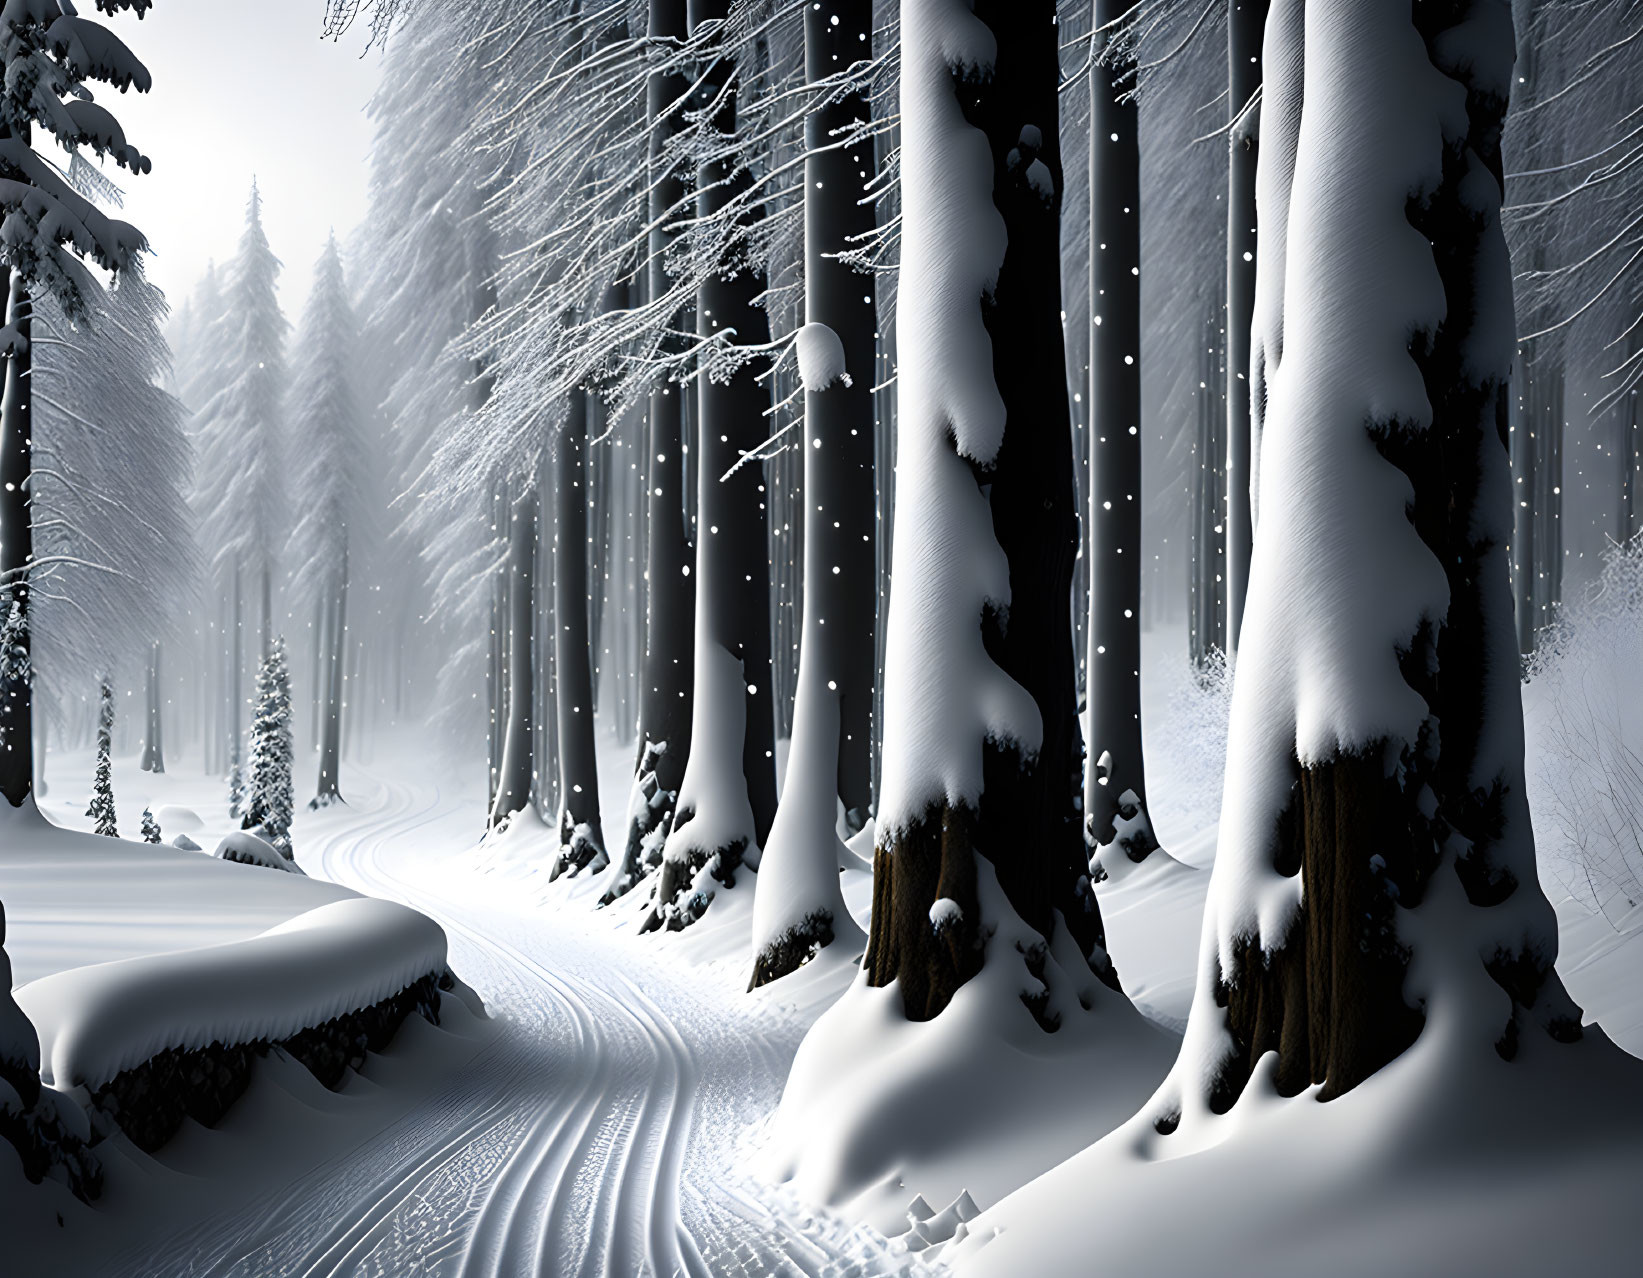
(269, 799)
(329, 431)
(239, 432)
(102, 786)
(151, 827)
(16, 673)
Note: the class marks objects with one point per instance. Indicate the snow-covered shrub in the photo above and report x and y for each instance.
(1583, 716)
(1187, 749)
(151, 827)
(249, 847)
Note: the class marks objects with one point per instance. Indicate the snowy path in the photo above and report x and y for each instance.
(597, 1133)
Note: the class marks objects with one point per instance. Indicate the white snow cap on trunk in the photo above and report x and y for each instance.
(821, 357)
(943, 695)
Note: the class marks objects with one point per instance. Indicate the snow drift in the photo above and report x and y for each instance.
(96, 1022)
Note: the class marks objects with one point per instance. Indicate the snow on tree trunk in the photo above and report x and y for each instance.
(798, 907)
(153, 745)
(236, 666)
(1373, 875)
(581, 836)
(328, 790)
(669, 656)
(101, 809)
(1115, 786)
(727, 798)
(1246, 28)
(516, 771)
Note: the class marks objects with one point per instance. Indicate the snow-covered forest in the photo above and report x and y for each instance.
(821, 637)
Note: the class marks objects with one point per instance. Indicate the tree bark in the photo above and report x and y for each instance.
(1026, 819)
(581, 836)
(17, 538)
(732, 562)
(830, 763)
(1115, 790)
(515, 775)
(670, 594)
(328, 790)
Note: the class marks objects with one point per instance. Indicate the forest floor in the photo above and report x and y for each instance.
(607, 1118)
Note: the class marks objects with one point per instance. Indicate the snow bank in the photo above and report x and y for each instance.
(821, 358)
(95, 1022)
(176, 818)
(879, 1109)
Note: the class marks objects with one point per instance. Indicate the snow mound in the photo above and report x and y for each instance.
(246, 848)
(96, 1022)
(821, 358)
(185, 844)
(173, 816)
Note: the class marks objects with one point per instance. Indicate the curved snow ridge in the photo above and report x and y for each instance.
(96, 1022)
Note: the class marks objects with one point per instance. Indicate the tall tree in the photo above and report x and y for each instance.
(981, 730)
(798, 907)
(581, 834)
(269, 800)
(516, 766)
(1115, 775)
(728, 796)
(1357, 840)
(329, 433)
(670, 652)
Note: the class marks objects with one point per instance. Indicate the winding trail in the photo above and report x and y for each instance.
(598, 1132)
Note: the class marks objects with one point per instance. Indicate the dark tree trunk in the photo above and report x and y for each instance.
(1367, 839)
(1027, 821)
(1246, 28)
(515, 775)
(153, 746)
(328, 791)
(17, 540)
(836, 662)
(1115, 791)
(1524, 493)
(732, 562)
(581, 837)
(664, 693)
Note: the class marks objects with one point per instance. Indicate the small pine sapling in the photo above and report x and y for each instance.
(270, 799)
(102, 785)
(151, 827)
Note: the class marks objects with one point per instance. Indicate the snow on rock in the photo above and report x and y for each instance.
(184, 843)
(95, 1022)
(173, 816)
(247, 848)
(946, 913)
(821, 357)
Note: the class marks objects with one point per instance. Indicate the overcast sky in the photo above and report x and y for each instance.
(243, 87)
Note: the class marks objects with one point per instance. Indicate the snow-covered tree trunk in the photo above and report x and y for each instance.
(581, 835)
(670, 593)
(798, 907)
(153, 742)
(981, 752)
(1246, 28)
(516, 770)
(727, 799)
(17, 538)
(1375, 875)
(1115, 791)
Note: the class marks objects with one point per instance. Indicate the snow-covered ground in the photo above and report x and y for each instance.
(611, 1118)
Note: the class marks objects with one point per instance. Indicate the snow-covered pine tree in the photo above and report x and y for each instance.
(798, 907)
(50, 56)
(339, 492)
(1115, 809)
(16, 672)
(101, 809)
(110, 495)
(239, 432)
(151, 827)
(269, 799)
(727, 799)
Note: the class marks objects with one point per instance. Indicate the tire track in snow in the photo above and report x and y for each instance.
(596, 1135)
